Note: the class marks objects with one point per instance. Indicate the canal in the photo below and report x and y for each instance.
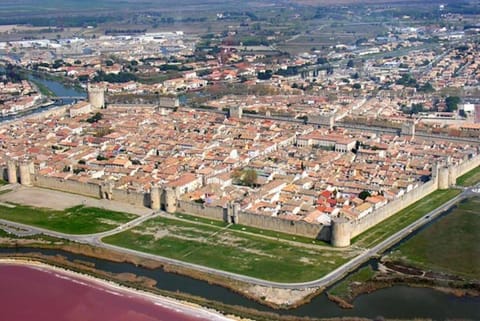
(395, 302)
(59, 89)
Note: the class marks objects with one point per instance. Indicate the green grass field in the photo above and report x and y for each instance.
(469, 179)
(343, 288)
(403, 218)
(230, 250)
(450, 245)
(75, 220)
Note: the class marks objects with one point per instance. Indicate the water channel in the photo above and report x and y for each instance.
(395, 302)
(58, 89)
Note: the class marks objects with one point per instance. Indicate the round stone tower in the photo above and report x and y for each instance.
(443, 178)
(236, 213)
(452, 175)
(155, 198)
(341, 231)
(12, 172)
(25, 176)
(170, 200)
(235, 112)
(96, 97)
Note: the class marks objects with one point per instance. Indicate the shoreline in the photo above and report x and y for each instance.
(259, 294)
(399, 274)
(187, 308)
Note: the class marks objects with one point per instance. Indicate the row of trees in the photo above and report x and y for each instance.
(451, 103)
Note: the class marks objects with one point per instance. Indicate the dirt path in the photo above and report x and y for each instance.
(46, 198)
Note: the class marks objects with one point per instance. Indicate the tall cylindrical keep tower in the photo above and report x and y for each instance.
(12, 172)
(170, 200)
(155, 198)
(452, 175)
(341, 232)
(96, 97)
(443, 178)
(25, 177)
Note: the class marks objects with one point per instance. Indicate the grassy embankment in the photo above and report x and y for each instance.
(5, 191)
(343, 288)
(210, 243)
(229, 250)
(44, 90)
(403, 218)
(469, 179)
(451, 245)
(75, 220)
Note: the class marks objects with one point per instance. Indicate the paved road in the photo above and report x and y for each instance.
(335, 275)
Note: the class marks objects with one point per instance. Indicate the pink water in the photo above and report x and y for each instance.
(29, 294)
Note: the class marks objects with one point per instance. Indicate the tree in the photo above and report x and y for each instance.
(265, 75)
(350, 64)
(250, 177)
(427, 88)
(83, 78)
(246, 177)
(417, 108)
(95, 118)
(57, 63)
(452, 103)
(322, 60)
(121, 77)
(364, 194)
(407, 80)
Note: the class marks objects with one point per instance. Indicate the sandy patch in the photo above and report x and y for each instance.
(56, 200)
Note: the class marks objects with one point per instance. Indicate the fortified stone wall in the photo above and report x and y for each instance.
(87, 189)
(133, 198)
(54, 112)
(137, 106)
(366, 222)
(316, 231)
(467, 166)
(213, 212)
(342, 233)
